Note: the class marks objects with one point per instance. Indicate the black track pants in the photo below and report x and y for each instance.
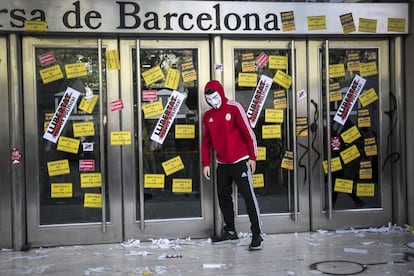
(240, 173)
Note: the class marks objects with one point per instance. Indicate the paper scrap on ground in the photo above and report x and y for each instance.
(355, 250)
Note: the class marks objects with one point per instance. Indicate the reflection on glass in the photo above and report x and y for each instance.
(274, 191)
(70, 168)
(171, 163)
(355, 181)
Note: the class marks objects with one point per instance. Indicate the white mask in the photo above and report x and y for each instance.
(214, 99)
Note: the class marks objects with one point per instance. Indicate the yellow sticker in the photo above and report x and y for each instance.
(92, 200)
(336, 165)
(112, 59)
(271, 131)
(368, 69)
(182, 185)
(279, 101)
(364, 120)
(61, 190)
(119, 138)
(45, 125)
(247, 57)
(248, 66)
(396, 25)
(88, 105)
(152, 109)
(353, 56)
(35, 26)
(247, 79)
(58, 167)
(370, 146)
(83, 129)
(347, 21)
(288, 21)
(49, 116)
(335, 93)
(335, 96)
(51, 74)
(287, 161)
(350, 154)
(350, 135)
(172, 79)
(336, 70)
(365, 173)
(258, 180)
(278, 62)
(353, 66)
(188, 72)
(282, 79)
(302, 126)
(90, 180)
(75, 70)
(316, 22)
(274, 115)
(172, 165)
(261, 154)
(190, 75)
(68, 144)
(365, 189)
(365, 170)
(367, 25)
(368, 97)
(343, 185)
(153, 75)
(184, 131)
(154, 181)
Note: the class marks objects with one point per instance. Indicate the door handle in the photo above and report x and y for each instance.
(140, 138)
(328, 130)
(102, 124)
(295, 172)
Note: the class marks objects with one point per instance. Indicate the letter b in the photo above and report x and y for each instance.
(123, 14)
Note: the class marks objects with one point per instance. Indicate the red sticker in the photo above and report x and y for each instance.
(262, 59)
(15, 155)
(47, 58)
(86, 165)
(116, 105)
(149, 95)
(336, 143)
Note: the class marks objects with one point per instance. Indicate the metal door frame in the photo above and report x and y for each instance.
(82, 233)
(298, 219)
(333, 219)
(132, 171)
(5, 147)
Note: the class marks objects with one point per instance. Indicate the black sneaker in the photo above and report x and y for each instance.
(227, 237)
(256, 243)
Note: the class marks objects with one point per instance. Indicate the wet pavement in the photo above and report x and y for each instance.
(387, 250)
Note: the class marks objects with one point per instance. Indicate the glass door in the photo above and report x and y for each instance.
(269, 79)
(350, 156)
(72, 183)
(164, 193)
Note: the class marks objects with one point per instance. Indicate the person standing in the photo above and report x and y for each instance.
(227, 130)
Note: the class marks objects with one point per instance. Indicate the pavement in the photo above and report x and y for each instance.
(387, 250)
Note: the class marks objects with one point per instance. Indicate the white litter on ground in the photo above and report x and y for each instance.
(355, 250)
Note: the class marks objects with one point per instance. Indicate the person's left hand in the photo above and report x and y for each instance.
(252, 164)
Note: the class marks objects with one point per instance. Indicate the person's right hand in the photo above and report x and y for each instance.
(206, 172)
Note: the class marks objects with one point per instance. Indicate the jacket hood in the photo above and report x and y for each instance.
(216, 86)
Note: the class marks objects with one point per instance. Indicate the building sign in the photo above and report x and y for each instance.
(255, 18)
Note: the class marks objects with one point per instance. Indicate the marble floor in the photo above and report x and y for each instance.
(387, 250)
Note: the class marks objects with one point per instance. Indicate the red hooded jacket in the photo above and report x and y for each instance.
(227, 129)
